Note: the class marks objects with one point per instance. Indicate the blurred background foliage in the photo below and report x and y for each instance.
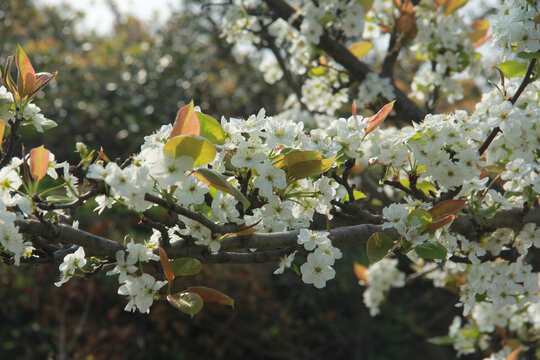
(112, 91)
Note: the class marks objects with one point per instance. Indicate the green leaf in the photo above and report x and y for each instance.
(452, 5)
(423, 216)
(513, 68)
(528, 55)
(216, 180)
(431, 250)
(211, 295)
(198, 148)
(211, 129)
(59, 199)
(185, 266)
(302, 164)
(425, 186)
(378, 246)
(187, 302)
(361, 48)
(318, 71)
(357, 195)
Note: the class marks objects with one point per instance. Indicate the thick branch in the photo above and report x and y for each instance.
(511, 218)
(258, 257)
(93, 245)
(358, 70)
(271, 246)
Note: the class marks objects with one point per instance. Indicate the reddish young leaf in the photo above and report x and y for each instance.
(438, 224)
(480, 28)
(216, 180)
(514, 354)
(39, 162)
(211, 295)
(42, 79)
(166, 265)
(186, 122)
(354, 109)
(379, 117)
(26, 80)
(243, 230)
(406, 25)
(445, 208)
(386, 29)
(361, 272)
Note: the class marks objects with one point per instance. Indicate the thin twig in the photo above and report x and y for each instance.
(200, 218)
(526, 81)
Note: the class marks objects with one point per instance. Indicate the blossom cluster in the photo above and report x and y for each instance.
(515, 27)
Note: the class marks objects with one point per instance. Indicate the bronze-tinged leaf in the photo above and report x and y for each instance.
(480, 28)
(26, 80)
(186, 122)
(39, 162)
(166, 265)
(445, 208)
(361, 272)
(440, 223)
(406, 25)
(211, 295)
(216, 180)
(379, 117)
(42, 79)
(514, 354)
(242, 230)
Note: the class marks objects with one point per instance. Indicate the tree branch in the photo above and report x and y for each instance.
(287, 75)
(526, 81)
(404, 106)
(93, 245)
(200, 218)
(270, 246)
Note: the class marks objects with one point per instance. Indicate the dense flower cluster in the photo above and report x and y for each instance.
(515, 27)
